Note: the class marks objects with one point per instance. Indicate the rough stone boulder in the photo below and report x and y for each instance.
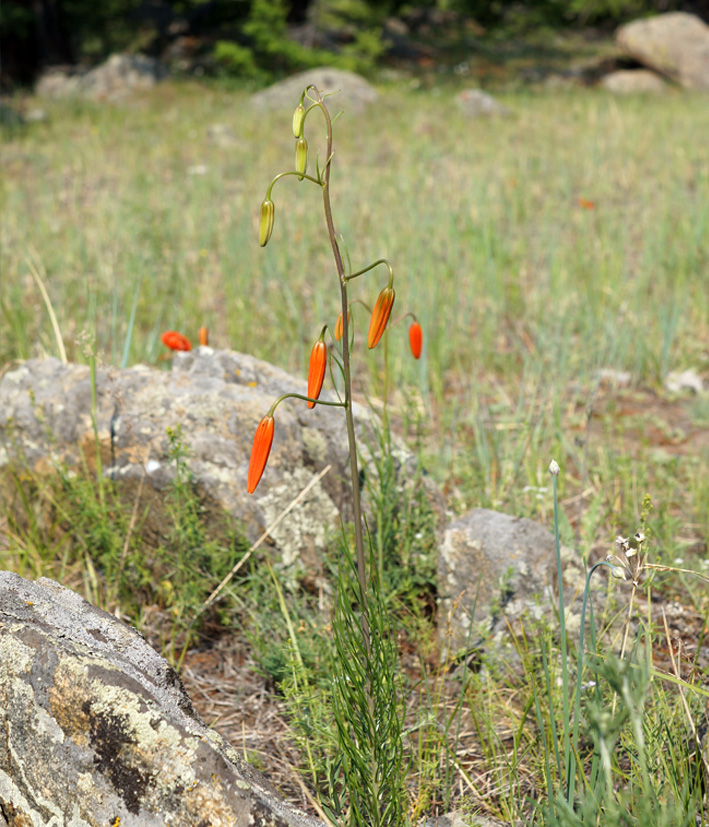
(354, 92)
(675, 44)
(217, 398)
(492, 567)
(96, 728)
(119, 76)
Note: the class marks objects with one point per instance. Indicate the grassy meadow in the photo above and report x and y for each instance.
(558, 261)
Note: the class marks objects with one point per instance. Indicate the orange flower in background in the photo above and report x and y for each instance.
(380, 316)
(586, 204)
(263, 439)
(338, 326)
(415, 339)
(203, 336)
(316, 370)
(176, 341)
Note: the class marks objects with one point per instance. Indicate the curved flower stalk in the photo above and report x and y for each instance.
(376, 752)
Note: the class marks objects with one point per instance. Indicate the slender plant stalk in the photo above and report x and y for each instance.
(347, 374)
(564, 655)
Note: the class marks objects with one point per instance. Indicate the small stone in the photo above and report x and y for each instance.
(687, 380)
(474, 103)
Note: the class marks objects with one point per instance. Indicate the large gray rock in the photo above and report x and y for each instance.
(96, 728)
(118, 77)
(217, 398)
(354, 92)
(509, 563)
(675, 44)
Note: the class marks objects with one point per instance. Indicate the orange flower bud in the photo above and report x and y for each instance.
(298, 118)
(380, 316)
(263, 439)
(268, 210)
(176, 341)
(301, 157)
(203, 336)
(338, 326)
(415, 339)
(316, 370)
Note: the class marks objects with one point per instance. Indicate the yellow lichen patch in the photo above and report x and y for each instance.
(67, 702)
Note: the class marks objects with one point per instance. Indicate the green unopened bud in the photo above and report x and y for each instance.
(298, 118)
(301, 157)
(268, 210)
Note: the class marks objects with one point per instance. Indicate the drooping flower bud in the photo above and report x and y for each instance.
(415, 339)
(298, 118)
(316, 370)
(301, 157)
(203, 336)
(263, 440)
(380, 316)
(268, 210)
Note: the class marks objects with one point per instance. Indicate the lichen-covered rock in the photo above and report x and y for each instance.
(217, 399)
(493, 566)
(96, 728)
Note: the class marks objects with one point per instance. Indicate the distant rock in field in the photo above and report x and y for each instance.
(221, 134)
(507, 563)
(98, 728)
(687, 380)
(633, 82)
(217, 398)
(355, 93)
(117, 78)
(474, 103)
(614, 378)
(675, 44)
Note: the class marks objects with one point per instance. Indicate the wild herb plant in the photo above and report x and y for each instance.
(366, 696)
(599, 786)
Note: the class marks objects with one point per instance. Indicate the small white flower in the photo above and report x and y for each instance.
(554, 468)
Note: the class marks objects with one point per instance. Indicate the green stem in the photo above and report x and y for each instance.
(305, 399)
(579, 671)
(349, 416)
(371, 267)
(564, 653)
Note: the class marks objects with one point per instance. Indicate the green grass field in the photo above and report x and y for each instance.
(537, 251)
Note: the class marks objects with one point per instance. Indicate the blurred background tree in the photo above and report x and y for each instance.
(260, 39)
